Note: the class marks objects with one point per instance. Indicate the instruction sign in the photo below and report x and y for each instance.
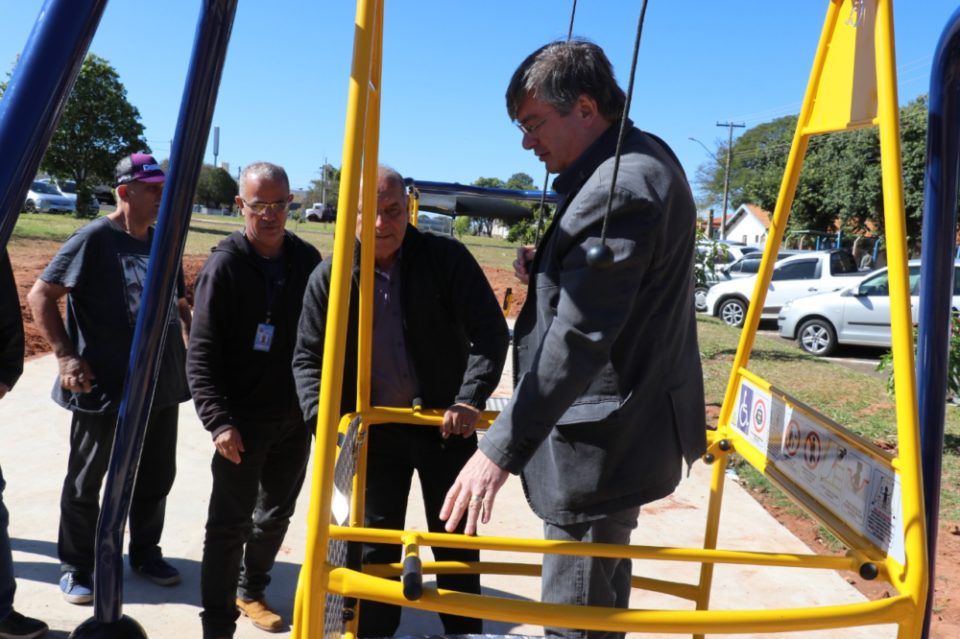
(854, 483)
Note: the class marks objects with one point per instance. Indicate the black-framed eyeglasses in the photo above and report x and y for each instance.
(530, 129)
(261, 208)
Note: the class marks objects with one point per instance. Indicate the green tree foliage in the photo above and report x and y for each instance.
(326, 188)
(522, 231)
(98, 127)
(215, 187)
(840, 178)
(462, 225)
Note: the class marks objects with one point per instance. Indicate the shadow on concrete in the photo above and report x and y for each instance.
(425, 622)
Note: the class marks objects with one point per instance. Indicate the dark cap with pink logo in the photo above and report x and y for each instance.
(139, 167)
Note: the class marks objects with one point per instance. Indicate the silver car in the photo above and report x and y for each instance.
(859, 314)
(43, 196)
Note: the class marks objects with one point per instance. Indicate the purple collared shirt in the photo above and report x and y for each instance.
(393, 378)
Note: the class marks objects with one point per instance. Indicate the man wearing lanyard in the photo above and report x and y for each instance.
(248, 300)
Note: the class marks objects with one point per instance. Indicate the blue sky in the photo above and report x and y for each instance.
(446, 65)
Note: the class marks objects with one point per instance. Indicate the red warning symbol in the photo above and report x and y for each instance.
(759, 416)
(791, 438)
(812, 450)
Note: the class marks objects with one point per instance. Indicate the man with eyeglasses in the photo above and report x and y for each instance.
(248, 299)
(608, 399)
(101, 270)
(439, 340)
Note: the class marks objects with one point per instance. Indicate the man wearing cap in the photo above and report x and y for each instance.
(101, 270)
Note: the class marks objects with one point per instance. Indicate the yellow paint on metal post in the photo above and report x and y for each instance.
(852, 84)
(310, 599)
(914, 576)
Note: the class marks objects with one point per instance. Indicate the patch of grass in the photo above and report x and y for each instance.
(491, 252)
(857, 401)
(46, 226)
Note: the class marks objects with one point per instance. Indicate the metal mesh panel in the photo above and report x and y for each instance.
(344, 470)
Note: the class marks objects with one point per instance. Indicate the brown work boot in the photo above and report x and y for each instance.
(261, 614)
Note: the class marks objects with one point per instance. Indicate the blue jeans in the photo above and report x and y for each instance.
(589, 581)
(7, 585)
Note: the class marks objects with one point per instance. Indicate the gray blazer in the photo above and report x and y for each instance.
(609, 388)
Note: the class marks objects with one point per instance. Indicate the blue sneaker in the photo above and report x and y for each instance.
(77, 587)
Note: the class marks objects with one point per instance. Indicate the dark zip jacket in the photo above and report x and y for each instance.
(454, 328)
(11, 325)
(232, 383)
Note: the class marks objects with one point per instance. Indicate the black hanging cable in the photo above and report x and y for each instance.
(546, 177)
(601, 256)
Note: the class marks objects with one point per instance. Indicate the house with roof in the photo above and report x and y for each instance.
(748, 224)
(707, 219)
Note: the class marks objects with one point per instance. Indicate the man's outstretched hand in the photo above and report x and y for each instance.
(473, 493)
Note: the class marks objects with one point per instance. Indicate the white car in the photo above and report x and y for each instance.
(857, 315)
(43, 196)
(727, 254)
(793, 277)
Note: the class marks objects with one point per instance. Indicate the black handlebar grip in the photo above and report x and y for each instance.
(412, 578)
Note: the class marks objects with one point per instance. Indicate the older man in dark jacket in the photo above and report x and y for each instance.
(609, 393)
(438, 336)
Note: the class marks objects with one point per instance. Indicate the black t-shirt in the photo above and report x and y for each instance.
(105, 270)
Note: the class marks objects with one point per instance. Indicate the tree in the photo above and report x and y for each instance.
(97, 128)
(840, 180)
(326, 188)
(215, 187)
(482, 225)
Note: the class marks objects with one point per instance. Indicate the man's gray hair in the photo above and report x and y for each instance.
(560, 72)
(385, 172)
(263, 171)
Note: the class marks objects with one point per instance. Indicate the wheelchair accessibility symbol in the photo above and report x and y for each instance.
(743, 415)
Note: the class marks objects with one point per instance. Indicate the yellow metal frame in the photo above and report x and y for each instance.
(852, 85)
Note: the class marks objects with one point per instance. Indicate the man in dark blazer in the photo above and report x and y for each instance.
(609, 389)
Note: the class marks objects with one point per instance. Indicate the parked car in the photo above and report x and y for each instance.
(793, 277)
(749, 265)
(321, 212)
(43, 196)
(727, 253)
(859, 314)
(104, 195)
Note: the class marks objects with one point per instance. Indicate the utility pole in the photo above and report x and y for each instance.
(726, 175)
(216, 145)
(323, 182)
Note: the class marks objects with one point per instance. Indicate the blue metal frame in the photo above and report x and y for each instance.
(936, 274)
(36, 95)
(453, 188)
(193, 128)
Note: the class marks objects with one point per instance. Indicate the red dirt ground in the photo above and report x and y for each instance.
(30, 258)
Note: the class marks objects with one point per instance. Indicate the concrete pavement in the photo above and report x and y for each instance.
(33, 448)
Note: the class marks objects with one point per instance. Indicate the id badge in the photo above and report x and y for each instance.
(264, 337)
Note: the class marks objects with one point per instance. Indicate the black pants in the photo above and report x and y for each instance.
(250, 508)
(394, 452)
(91, 438)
